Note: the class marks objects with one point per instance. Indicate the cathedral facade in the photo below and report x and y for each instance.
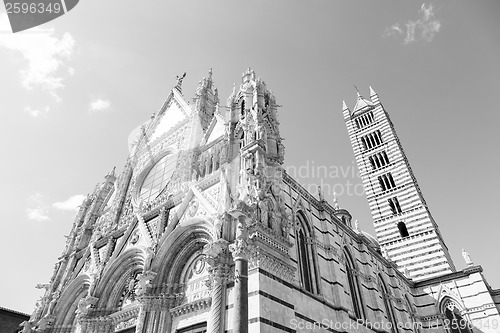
(203, 231)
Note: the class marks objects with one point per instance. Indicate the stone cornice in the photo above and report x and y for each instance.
(448, 277)
(194, 306)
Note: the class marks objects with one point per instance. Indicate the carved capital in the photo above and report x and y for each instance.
(144, 281)
(216, 252)
(84, 306)
(241, 248)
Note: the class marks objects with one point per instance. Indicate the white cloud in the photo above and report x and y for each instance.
(37, 214)
(72, 203)
(38, 210)
(99, 105)
(37, 112)
(424, 28)
(46, 54)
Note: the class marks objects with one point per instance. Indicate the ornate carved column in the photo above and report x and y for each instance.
(241, 252)
(142, 288)
(218, 258)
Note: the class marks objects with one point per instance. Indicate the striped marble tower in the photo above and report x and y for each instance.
(406, 231)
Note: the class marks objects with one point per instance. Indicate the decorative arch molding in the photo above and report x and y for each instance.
(68, 301)
(115, 276)
(449, 301)
(187, 238)
(445, 292)
(304, 220)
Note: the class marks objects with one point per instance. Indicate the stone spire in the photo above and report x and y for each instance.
(206, 100)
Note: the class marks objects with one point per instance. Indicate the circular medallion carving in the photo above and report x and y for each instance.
(198, 266)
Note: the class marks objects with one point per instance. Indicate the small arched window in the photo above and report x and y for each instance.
(354, 292)
(453, 317)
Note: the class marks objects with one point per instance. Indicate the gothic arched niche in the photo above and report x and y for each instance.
(116, 276)
(454, 319)
(194, 277)
(178, 261)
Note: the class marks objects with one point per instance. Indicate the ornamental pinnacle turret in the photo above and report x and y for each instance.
(406, 231)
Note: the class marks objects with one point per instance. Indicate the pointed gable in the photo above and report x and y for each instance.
(362, 105)
(174, 112)
(216, 129)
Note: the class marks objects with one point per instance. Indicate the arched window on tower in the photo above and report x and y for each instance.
(403, 230)
(305, 258)
(354, 292)
(387, 304)
(382, 183)
(454, 320)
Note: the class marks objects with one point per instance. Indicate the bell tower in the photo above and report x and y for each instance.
(406, 231)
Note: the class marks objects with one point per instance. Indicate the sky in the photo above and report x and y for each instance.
(71, 91)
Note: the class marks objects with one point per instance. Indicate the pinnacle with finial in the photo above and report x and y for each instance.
(357, 90)
(344, 106)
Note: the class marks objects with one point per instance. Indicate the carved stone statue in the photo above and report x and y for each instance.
(218, 223)
(178, 86)
(264, 212)
(467, 258)
(335, 201)
(385, 254)
(27, 328)
(82, 308)
(95, 275)
(276, 225)
(320, 194)
(84, 305)
(38, 310)
(150, 253)
(53, 302)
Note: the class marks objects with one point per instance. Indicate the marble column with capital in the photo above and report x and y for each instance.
(218, 258)
(240, 249)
